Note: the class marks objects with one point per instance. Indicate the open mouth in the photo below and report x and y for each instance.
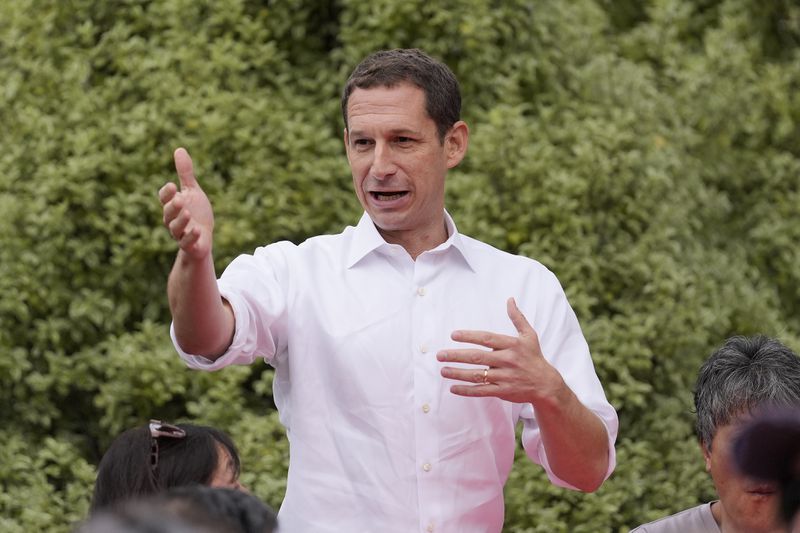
(387, 196)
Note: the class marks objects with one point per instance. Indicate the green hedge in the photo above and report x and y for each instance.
(647, 152)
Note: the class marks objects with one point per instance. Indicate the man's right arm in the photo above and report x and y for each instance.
(203, 321)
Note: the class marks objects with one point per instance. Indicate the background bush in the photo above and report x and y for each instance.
(647, 152)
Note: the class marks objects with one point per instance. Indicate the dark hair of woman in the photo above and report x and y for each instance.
(138, 463)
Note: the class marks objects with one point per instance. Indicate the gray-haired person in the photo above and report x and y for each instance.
(744, 376)
(769, 448)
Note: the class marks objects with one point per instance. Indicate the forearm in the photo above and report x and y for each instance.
(203, 321)
(575, 440)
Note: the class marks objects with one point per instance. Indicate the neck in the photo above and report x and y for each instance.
(727, 525)
(416, 242)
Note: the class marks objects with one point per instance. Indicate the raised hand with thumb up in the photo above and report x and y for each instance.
(187, 211)
(203, 321)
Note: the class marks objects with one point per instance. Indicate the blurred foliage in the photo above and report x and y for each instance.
(647, 152)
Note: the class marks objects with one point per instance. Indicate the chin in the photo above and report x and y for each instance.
(759, 515)
(387, 223)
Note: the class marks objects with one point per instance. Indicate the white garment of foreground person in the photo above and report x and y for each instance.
(352, 329)
(405, 352)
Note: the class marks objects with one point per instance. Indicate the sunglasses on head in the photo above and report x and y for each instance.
(161, 429)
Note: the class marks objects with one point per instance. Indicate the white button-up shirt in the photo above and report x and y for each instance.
(352, 326)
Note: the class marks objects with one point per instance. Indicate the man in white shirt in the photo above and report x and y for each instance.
(405, 353)
(742, 377)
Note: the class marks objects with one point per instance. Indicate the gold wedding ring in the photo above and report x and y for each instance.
(485, 376)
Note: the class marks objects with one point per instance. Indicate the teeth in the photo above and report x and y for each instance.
(388, 196)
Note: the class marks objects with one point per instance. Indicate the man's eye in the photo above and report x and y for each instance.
(404, 140)
(362, 142)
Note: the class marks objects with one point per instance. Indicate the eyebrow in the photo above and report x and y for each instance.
(396, 131)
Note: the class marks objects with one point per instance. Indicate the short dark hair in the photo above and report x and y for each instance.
(186, 509)
(745, 374)
(241, 511)
(125, 472)
(136, 516)
(389, 68)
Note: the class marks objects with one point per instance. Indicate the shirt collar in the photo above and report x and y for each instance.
(366, 240)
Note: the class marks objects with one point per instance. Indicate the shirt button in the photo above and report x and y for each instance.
(421, 291)
(423, 348)
(426, 408)
(426, 467)
(429, 529)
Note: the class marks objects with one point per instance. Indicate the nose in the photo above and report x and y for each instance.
(383, 165)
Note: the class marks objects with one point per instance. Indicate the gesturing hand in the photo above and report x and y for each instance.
(514, 368)
(187, 212)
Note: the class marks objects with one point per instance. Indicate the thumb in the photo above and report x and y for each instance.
(524, 327)
(517, 318)
(183, 165)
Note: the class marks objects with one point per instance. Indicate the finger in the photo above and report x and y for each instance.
(478, 375)
(177, 227)
(470, 356)
(167, 193)
(495, 341)
(470, 375)
(524, 328)
(490, 389)
(183, 165)
(173, 209)
(518, 319)
(189, 238)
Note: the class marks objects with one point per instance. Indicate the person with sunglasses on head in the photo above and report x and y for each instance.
(148, 459)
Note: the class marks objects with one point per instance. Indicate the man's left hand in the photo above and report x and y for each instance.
(514, 368)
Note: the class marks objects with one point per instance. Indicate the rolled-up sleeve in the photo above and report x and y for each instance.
(256, 286)
(565, 347)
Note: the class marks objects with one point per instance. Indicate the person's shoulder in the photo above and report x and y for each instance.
(327, 239)
(696, 519)
(485, 252)
(310, 244)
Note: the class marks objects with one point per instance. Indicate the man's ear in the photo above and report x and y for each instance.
(347, 144)
(706, 454)
(456, 142)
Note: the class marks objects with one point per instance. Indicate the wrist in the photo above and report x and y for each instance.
(555, 397)
(186, 259)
